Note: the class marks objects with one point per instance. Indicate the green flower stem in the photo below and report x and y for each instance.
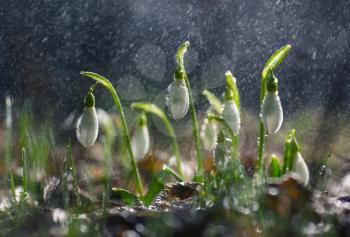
(72, 169)
(199, 151)
(107, 178)
(269, 67)
(7, 146)
(24, 159)
(261, 144)
(106, 83)
(151, 108)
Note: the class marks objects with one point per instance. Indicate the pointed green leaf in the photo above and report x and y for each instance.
(100, 79)
(149, 108)
(291, 147)
(171, 172)
(213, 100)
(275, 168)
(125, 195)
(155, 187)
(275, 59)
(223, 122)
(180, 53)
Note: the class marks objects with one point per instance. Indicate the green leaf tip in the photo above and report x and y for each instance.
(149, 108)
(180, 72)
(275, 168)
(275, 59)
(291, 148)
(97, 77)
(128, 197)
(213, 100)
(232, 85)
(181, 51)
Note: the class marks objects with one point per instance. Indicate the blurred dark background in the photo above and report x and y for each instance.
(45, 43)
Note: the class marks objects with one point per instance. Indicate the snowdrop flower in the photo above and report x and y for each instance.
(87, 125)
(272, 113)
(230, 112)
(140, 141)
(178, 98)
(300, 167)
(178, 94)
(209, 134)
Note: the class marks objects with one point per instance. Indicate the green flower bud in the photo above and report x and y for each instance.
(90, 99)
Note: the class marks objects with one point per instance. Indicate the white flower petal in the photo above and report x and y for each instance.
(301, 169)
(140, 142)
(178, 99)
(272, 113)
(87, 127)
(231, 115)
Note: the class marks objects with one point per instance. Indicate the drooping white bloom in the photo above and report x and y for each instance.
(140, 140)
(231, 115)
(87, 127)
(300, 167)
(178, 99)
(272, 113)
(209, 134)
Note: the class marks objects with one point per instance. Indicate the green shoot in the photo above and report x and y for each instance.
(231, 84)
(274, 169)
(151, 108)
(214, 101)
(291, 147)
(106, 83)
(125, 195)
(180, 70)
